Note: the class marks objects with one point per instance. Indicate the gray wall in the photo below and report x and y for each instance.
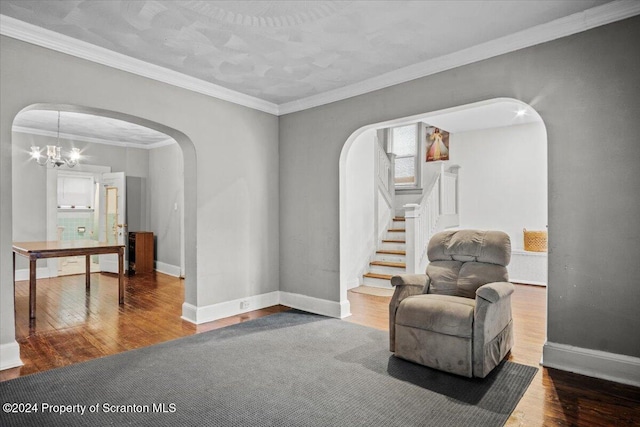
(137, 212)
(586, 88)
(165, 201)
(231, 187)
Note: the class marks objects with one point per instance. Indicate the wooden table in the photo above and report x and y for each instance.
(54, 249)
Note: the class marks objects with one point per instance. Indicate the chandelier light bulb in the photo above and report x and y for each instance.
(54, 156)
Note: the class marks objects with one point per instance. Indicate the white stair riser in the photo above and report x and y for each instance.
(398, 224)
(389, 257)
(379, 269)
(392, 246)
(395, 235)
(378, 283)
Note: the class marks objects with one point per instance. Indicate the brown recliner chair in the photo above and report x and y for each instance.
(457, 316)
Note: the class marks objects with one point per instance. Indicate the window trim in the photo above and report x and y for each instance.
(416, 185)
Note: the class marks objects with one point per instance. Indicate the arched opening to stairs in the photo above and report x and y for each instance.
(497, 171)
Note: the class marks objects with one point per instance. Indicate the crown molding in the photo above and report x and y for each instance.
(39, 36)
(578, 22)
(572, 24)
(80, 138)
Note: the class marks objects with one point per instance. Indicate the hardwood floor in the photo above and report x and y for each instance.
(73, 326)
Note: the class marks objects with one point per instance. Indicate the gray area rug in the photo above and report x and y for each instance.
(286, 369)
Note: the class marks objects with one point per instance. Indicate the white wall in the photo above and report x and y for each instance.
(360, 208)
(503, 179)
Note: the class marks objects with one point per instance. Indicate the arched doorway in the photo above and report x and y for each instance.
(480, 118)
(184, 201)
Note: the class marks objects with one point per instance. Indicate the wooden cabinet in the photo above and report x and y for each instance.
(140, 252)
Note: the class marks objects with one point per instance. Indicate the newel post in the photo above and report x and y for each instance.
(412, 227)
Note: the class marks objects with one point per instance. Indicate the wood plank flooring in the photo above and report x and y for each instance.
(72, 326)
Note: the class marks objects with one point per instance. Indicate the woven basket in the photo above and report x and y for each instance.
(535, 241)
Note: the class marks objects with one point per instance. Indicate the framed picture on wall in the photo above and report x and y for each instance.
(437, 144)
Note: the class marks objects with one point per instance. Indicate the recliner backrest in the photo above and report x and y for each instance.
(463, 260)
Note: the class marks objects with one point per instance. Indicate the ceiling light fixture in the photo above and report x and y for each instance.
(54, 154)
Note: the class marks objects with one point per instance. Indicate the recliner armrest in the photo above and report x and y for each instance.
(406, 285)
(420, 280)
(494, 292)
(492, 326)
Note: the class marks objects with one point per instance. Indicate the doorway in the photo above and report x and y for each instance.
(142, 156)
(76, 216)
(471, 124)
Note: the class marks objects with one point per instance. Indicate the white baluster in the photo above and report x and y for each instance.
(412, 230)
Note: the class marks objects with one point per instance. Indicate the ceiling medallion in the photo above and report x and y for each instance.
(272, 14)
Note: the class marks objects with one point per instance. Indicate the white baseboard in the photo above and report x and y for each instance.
(593, 363)
(10, 355)
(189, 313)
(171, 270)
(221, 310)
(316, 305)
(41, 273)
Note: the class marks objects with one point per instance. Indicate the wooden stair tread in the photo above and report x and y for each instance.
(398, 218)
(396, 230)
(391, 252)
(393, 241)
(389, 264)
(378, 276)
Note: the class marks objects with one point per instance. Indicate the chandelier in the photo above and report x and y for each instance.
(54, 156)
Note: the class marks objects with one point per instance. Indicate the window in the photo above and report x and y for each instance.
(75, 191)
(404, 144)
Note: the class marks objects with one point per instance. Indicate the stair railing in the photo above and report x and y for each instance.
(437, 209)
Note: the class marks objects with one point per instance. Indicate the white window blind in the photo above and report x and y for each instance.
(404, 144)
(75, 191)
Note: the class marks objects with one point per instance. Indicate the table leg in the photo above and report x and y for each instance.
(88, 274)
(121, 275)
(32, 288)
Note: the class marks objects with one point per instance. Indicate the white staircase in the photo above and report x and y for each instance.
(390, 257)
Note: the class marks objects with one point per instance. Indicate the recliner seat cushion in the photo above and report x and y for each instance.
(444, 314)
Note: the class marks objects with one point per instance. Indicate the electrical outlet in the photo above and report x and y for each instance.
(244, 305)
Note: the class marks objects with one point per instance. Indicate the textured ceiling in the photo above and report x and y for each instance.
(494, 114)
(90, 128)
(87, 127)
(282, 51)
